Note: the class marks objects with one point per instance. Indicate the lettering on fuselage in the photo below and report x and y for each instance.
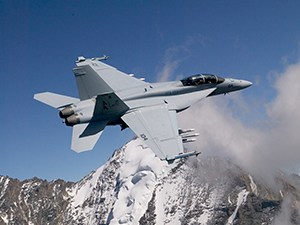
(172, 92)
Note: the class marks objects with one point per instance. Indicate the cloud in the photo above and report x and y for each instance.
(261, 150)
(168, 70)
(285, 213)
(171, 63)
(173, 57)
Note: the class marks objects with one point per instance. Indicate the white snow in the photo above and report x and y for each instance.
(280, 192)
(253, 185)
(81, 193)
(242, 197)
(5, 187)
(139, 173)
(168, 196)
(229, 201)
(137, 179)
(5, 219)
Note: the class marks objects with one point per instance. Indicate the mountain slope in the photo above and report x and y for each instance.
(135, 187)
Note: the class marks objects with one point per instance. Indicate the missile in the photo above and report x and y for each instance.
(101, 58)
(186, 140)
(182, 131)
(189, 135)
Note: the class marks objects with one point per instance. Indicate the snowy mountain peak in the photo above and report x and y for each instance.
(135, 187)
(126, 183)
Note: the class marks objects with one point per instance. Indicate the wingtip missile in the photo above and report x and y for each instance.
(105, 57)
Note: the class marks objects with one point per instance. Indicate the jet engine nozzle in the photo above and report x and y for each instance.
(72, 120)
(66, 112)
(80, 117)
(76, 108)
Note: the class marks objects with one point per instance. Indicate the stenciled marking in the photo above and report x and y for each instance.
(144, 137)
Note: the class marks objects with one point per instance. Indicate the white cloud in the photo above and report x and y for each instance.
(285, 213)
(173, 57)
(168, 70)
(260, 150)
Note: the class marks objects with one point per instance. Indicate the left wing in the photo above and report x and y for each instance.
(97, 78)
(157, 126)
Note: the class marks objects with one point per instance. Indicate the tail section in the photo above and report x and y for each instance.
(85, 135)
(55, 100)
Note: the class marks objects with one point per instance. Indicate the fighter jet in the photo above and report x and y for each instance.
(108, 96)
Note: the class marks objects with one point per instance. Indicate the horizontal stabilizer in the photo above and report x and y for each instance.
(86, 135)
(55, 100)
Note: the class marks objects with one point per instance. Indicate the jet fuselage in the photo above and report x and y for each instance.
(175, 93)
(108, 96)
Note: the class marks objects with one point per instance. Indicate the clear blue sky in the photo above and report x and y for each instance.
(40, 40)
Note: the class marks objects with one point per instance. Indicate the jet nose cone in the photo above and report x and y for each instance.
(245, 83)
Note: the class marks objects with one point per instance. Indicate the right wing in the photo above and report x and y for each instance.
(95, 78)
(157, 126)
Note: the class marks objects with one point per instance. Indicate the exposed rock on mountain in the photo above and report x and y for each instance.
(135, 187)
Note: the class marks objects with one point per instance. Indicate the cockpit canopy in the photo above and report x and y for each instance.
(202, 79)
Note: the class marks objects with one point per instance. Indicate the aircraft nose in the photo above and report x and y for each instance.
(245, 83)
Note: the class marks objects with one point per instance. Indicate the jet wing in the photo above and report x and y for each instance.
(157, 126)
(95, 78)
(85, 135)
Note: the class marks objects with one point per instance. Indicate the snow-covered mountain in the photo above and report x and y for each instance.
(135, 187)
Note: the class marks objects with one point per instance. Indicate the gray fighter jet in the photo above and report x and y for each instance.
(110, 97)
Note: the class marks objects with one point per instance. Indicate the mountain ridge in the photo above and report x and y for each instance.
(135, 187)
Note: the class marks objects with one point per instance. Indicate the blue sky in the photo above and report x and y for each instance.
(40, 40)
